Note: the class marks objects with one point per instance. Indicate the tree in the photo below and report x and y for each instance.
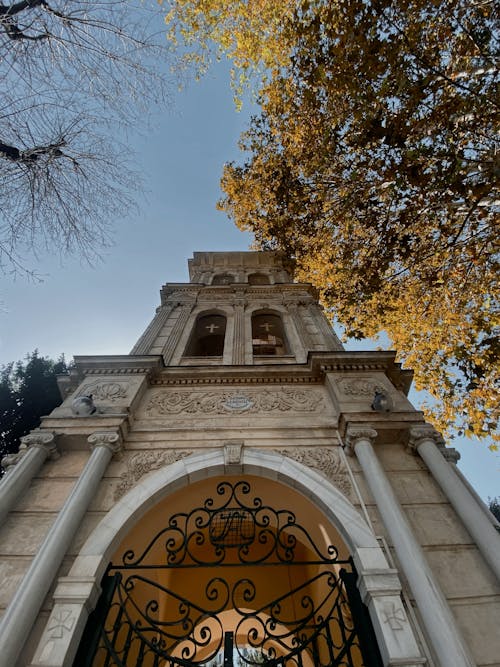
(71, 73)
(494, 505)
(374, 164)
(28, 390)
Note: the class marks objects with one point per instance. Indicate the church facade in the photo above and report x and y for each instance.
(240, 490)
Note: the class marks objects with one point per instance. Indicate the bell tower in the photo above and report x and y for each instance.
(240, 308)
(240, 490)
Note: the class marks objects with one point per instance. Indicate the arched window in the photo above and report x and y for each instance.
(223, 279)
(207, 339)
(258, 279)
(268, 336)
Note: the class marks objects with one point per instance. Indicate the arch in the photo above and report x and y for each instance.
(268, 334)
(157, 485)
(223, 279)
(208, 335)
(258, 279)
(77, 593)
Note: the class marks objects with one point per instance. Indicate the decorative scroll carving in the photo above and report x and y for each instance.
(419, 434)
(360, 387)
(143, 462)
(271, 401)
(106, 391)
(109, 439)
(355, 434)
(41, 439)
(325, 459)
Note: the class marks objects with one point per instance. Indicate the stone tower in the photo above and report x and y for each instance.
(240, 490)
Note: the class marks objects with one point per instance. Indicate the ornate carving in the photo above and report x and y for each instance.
(356, 433)
(10, 460)
(232, 451)
(271, 401)
(143, 462)
(106, 391)
(109, 439)
(419, 434)
(324, 459)
(41, 440)
(364, 387)
(450, 454)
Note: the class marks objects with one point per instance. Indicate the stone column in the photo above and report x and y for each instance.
(20, 468)
(20, 615)
(439, 622)
(423, 440)
(175, 335)
(239, 329)
(147, 339)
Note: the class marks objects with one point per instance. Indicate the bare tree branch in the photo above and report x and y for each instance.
(73, 74)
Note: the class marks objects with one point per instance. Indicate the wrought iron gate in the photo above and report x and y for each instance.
(233, 583)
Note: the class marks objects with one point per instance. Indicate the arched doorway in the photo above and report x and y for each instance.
(233, 571)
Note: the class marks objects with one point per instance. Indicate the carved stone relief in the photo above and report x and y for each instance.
(143, 462)
(394, 616)
(327, 461)
(271, 401)
(364, 387)
(106, 391)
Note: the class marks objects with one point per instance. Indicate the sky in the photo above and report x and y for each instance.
(80, 310)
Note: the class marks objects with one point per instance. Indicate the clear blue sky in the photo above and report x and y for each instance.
(103, 310)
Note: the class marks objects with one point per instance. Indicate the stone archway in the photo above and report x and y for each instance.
(76, 594)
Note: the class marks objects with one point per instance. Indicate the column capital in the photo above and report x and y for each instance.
(419, 434)
(109, 439)
(427, 433)
(35, 440)
(356, 433)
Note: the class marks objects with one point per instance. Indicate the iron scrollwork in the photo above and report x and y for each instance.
(182, 600)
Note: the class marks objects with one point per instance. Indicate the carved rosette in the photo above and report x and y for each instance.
(109, 439)
(325, 460)
(143, 462)
(355, 434)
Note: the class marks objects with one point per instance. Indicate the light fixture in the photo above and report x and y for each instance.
(382, 402)
(83, 406)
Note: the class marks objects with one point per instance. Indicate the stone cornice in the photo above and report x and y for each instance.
(312, 371)
(199, 292)
(126, 364)
(169, 380)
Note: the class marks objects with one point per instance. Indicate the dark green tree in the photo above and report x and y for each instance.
(494, 505)
(28, 390)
